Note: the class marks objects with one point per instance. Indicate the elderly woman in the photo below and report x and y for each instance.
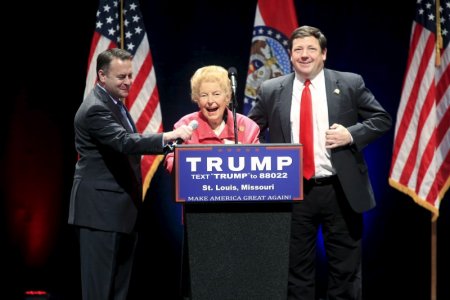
(211, 90)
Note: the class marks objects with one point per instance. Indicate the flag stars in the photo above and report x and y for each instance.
(428, 17)
(136, 18)
(111, 32)
(270, 32)
(108, 23)
(130, 47)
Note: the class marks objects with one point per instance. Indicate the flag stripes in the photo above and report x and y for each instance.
(420, 161)
(143, 99)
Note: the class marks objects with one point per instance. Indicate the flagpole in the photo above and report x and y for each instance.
(121, 24)
(121, 35)
(433, 259)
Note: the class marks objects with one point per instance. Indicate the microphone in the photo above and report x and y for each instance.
(193, 124)
(232, 74)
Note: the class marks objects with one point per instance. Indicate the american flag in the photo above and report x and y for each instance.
(143, 100)
(269, 56)
(421, 157)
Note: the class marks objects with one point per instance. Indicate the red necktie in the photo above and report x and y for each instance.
(306, 132)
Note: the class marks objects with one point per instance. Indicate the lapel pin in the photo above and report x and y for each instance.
(337, 91)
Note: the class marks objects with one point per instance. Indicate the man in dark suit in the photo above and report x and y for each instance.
(346, 117)
(107, 186)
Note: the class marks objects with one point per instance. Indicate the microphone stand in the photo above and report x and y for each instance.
(233, 109)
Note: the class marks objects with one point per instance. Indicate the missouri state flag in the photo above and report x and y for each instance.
(269, 56)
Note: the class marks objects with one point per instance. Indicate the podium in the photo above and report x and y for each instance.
(237, 221)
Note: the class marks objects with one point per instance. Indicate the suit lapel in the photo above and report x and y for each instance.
(285, 102)
(334, 94)
(116, 110)
(131, 121)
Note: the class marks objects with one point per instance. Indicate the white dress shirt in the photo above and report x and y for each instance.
(323, 167)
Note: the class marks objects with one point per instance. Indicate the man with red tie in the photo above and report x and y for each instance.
(334, 116)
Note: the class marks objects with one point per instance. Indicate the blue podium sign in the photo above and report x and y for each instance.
(238, 173)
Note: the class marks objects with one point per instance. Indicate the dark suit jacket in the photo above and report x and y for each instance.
(354, 107)
(107, 187)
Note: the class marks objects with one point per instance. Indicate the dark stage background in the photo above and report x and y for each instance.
(46, 49)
